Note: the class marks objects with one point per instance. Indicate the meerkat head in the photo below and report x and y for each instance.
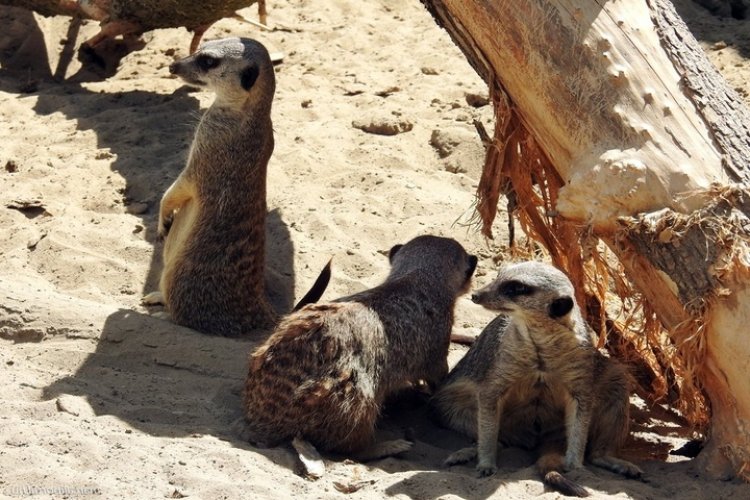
(236, 69)
(435, 256)
(529, 289)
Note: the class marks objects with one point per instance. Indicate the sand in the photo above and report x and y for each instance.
(100, 398)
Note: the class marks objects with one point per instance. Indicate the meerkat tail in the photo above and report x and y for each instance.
(384, 449)
(549, 466)
(316, 291)
(310, 458)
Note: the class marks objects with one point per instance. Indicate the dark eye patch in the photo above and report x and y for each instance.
(206, 62)
(515, 288)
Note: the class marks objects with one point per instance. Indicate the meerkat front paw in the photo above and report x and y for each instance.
(153, 299)
(461, 456)
(484, 470)
(165, 223)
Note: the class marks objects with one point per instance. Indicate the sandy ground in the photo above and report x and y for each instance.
(100, 398)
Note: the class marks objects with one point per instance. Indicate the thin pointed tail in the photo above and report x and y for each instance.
(320, 285)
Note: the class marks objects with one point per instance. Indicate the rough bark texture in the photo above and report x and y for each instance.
(645, 138)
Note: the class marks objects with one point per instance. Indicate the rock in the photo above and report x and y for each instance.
(11, 166)
(384, 125)
(426, 70)
(461, 149)
(74, 405)
(476, 100)
(137, 208)
(445, 141)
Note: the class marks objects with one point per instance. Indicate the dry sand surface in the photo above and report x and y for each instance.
(100, 398)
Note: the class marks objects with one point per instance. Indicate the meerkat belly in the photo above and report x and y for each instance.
(535, 406)
(183, 225)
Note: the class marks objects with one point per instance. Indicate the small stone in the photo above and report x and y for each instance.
(306, 103)
(427, 70)
(445, 141)
(11, 166)
(137, 208)
(454, 166)
(384, 125)
(719, 45)
(138, 229)
(476, 100)
(387, 92)
(104, 155)
(34, 240)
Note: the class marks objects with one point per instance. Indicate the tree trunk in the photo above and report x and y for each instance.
(613, 126)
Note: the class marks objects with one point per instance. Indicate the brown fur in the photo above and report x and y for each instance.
(213, 215)
(327, 368)
(539, 381)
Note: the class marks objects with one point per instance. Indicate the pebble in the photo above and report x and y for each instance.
(384, 125)
(137, 208)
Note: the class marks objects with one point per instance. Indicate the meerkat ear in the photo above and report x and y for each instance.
(393, 251)
(560, 307)
(248, 76)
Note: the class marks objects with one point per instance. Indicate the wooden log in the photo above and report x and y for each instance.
(644, 146)
(131, 18)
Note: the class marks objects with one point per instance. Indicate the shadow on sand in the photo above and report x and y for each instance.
(160, 378)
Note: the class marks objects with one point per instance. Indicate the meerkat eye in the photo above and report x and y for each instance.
(515, 288)
(206, 62)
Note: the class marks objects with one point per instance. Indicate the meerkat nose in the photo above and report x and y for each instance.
(173, 68)
(475, 298)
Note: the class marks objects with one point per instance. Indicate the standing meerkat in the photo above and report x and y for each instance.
(213, 216)
(534, 379)
(324, 373)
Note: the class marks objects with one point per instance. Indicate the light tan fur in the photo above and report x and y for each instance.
(533, 379)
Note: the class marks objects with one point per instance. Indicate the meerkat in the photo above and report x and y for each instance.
(324, 373)
(213, 216)
(533, 379)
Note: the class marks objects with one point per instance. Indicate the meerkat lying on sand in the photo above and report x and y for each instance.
(534, 378)
(324, 373)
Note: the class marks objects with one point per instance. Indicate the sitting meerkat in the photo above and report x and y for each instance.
(534, 378)
(324, 373)
(213, 216)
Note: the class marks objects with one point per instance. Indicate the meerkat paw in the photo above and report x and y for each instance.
(153, 299)
(461, 456)
(618, 465)
(165, 224)
(485, 470)
(384, 449)
(313, 463)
